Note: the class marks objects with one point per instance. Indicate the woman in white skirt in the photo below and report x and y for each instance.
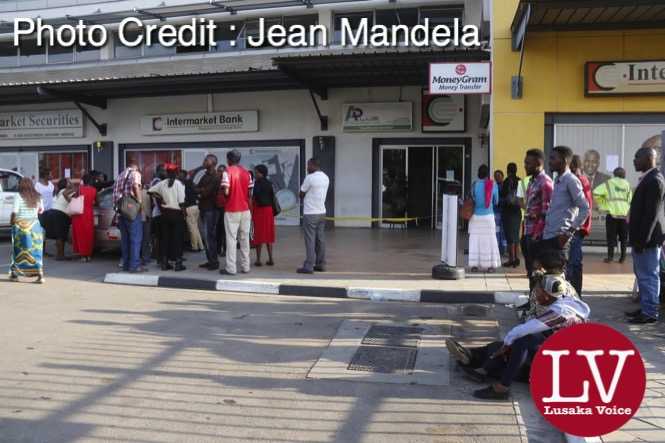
(483, 247)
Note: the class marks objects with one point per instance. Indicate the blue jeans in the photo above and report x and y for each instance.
(574, 269)
(646, 265)
(209, 219)
(131, 236)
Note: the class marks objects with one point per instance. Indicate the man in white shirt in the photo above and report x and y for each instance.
(313, 193)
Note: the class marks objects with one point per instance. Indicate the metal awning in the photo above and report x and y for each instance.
(194, 9)
(386, 68)
(102, 89)
(316, 71)
(585, 15)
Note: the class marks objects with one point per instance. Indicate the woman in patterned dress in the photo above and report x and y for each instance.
(27, 233)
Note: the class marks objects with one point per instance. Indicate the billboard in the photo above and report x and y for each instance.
(604, 147)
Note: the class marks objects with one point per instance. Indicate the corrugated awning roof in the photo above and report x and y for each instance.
(582, 15)
(198, 8)
(316, 71)
(334, 69)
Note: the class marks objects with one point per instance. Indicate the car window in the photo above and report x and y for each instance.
(9, 181)
(105, 199)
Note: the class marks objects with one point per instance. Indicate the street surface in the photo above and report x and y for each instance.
(85, 361)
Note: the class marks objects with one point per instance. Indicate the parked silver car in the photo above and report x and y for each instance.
(8, 190)
(107, 234)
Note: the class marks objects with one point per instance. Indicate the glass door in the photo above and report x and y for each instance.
(449, 172)
(394, 187)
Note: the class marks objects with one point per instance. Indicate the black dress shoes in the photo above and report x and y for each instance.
(634, 313)
(642, 320)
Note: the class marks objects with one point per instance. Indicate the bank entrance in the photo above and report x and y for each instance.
(283, 158)
(411, 176)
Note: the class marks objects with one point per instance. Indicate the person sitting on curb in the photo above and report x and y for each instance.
(511, 359)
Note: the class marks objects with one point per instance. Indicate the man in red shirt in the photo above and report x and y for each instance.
(237, 184)
(574, 268)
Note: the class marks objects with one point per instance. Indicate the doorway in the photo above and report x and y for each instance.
(412, 181)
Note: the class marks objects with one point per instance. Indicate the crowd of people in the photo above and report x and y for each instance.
(554, 215)
(225, 211)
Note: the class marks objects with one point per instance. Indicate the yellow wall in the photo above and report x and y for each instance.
(553, 74)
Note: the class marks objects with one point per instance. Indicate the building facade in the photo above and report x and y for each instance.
(388, 146)
(587, 71)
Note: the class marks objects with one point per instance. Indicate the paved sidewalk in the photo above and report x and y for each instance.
(400, 259)
(648, 425)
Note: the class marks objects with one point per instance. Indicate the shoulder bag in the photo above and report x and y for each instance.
(128, 206)
(75, 205)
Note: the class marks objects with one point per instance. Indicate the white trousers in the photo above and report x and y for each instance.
(237, 225)
(193, 228)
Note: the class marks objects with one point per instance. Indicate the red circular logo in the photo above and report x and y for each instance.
(460, 69)
(588, 380)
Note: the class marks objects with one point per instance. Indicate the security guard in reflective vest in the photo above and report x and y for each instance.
(614, 197)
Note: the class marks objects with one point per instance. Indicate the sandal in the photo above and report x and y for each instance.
(258, 264)
(458, 352)
(270, 263)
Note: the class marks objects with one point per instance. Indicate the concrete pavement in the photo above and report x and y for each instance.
(84, 361)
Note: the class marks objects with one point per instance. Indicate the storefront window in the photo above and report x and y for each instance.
(444, 15)
(87, 53)
(354, 22)
(31, 54)
(64, 165)
(8, 55)
(391, 17)
(122, 51)
(224, 36)
(60, 54)
(252, 30)
(157, 50)
(604, 147)
(148, 161)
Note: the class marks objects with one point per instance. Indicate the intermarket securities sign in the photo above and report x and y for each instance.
(197, 123)
(41, 124)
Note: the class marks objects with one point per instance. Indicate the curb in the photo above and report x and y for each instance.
(575, 439)
(359, 293)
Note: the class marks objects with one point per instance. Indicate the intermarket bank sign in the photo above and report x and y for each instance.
(460, 78)
(41, 124)
(203, 122)
(625, 78)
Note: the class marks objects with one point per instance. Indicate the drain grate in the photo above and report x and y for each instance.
(395, 336)
(384, 360)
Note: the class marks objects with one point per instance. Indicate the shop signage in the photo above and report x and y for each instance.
(66, 123)
(202, 122)
(460, 78)
(625, 78)
(378, 117)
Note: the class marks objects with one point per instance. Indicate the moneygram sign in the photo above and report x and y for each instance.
(460, 78)
(625, 78)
